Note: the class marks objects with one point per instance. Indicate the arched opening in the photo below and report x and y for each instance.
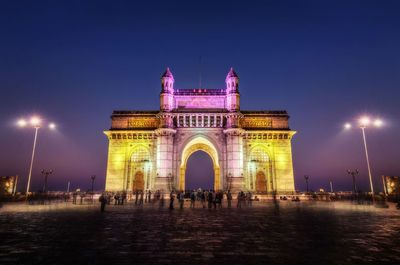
(138, 182)
(139, 169)
(260, 170)
(261, 182)
(199, 171)
(194, 145)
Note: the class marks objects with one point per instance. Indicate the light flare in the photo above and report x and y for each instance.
(22, 123)
(378, 123)
(35, 121)
(364, 121)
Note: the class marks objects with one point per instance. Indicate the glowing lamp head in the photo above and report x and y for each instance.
(22, 123)
(364, 121)
(347, 126)
(52, 126)
(35, 121)
(378, 123)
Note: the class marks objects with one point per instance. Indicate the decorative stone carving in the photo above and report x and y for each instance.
(143, 123)
(256, 123)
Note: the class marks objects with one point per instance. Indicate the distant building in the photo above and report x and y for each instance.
(250, 150)
(393, 185)
(7, 185)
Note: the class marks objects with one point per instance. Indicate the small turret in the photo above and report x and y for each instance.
(167, 91)
(232, 91)
(167, 82)
(232, 82)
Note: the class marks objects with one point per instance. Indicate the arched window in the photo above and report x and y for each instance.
(259, 155)
(140, 155)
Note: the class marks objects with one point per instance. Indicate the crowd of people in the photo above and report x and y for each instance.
(205, 198)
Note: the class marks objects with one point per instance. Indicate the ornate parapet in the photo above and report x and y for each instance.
(134, 120)
(202, 119)
(265, 120)
(256, 123)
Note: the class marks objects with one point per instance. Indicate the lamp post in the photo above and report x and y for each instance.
(93, 178)
(384, 186)
(46, 173)
(306, 177)
(35, 123)
(364, 122)
(353, 174)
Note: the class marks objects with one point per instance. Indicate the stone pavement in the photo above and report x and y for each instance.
(287, 233)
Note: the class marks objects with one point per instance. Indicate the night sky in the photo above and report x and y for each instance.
(325, 62)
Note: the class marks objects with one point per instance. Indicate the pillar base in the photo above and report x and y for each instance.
(235, 184)
(164, 183)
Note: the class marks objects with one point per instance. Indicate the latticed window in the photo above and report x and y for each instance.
(259, 155)
(140, 155)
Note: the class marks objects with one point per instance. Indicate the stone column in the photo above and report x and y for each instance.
(234, 155)
(165, 148)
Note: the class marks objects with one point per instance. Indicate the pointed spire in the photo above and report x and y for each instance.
(167, 73)
(232, 73)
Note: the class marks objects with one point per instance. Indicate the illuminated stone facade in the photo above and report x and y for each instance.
(250, 150)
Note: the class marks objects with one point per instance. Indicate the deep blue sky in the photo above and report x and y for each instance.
(325, 62)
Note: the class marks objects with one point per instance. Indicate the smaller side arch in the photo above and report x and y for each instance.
(260, 174)
(138, 170)
(261, 182)
(138, 182)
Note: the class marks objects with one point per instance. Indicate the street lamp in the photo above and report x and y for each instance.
(353, 174)
(46, 173)
(306, 177)
(93, 177)
(364, 122)
(35, 123)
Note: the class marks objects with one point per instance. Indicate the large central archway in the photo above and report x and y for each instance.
(199, 171)
(194, 145)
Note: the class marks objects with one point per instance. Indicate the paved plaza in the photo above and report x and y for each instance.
(265, 233)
